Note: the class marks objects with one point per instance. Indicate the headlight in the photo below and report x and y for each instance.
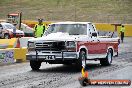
(31, 45)
(71, 44)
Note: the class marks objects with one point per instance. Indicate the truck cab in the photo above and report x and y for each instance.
(71, 43)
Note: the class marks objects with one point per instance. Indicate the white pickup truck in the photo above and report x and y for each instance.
(71, 43)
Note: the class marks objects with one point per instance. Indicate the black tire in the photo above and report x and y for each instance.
(35, 65)
(117, 54)
(6, 36)
(67, 64)
(108, 60)
(81, 60)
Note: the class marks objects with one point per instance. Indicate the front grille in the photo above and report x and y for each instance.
(51, 46)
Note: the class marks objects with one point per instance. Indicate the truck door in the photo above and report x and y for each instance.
(94, 42)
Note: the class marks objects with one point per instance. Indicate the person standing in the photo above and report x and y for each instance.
(122, 30)
(39, 28)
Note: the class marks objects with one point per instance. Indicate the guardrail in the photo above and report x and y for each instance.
(109, 27)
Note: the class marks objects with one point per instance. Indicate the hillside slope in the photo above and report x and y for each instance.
(105, 11)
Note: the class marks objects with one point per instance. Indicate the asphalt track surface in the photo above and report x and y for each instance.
(20, 75)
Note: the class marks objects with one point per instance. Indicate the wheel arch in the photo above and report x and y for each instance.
(112, 49)
(84, 48)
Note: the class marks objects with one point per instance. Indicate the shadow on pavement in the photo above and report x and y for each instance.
(68, 68)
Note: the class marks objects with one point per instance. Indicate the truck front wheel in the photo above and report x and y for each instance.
(81, 62)
(108, 60)
(35, 65)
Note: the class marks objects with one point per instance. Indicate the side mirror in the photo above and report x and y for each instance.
(94, 34)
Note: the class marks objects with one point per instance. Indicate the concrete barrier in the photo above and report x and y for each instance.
(20, 54)
(7, 56)
(11, 43)
(7, 46)
(12, 55)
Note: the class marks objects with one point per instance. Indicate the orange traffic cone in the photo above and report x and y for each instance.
(18, 43)
(84, 73)
(84, 80)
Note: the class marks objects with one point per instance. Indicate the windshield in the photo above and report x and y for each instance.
(72, 29)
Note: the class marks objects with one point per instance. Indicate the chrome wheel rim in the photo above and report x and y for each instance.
(109, 57)
(83, 61)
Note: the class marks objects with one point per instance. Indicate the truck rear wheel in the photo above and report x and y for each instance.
(81, 62)
(35, 65)
(108, 60)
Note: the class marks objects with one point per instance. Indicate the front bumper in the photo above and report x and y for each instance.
(51, 56)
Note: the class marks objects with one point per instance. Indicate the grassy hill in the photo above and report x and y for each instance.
(105, 11)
